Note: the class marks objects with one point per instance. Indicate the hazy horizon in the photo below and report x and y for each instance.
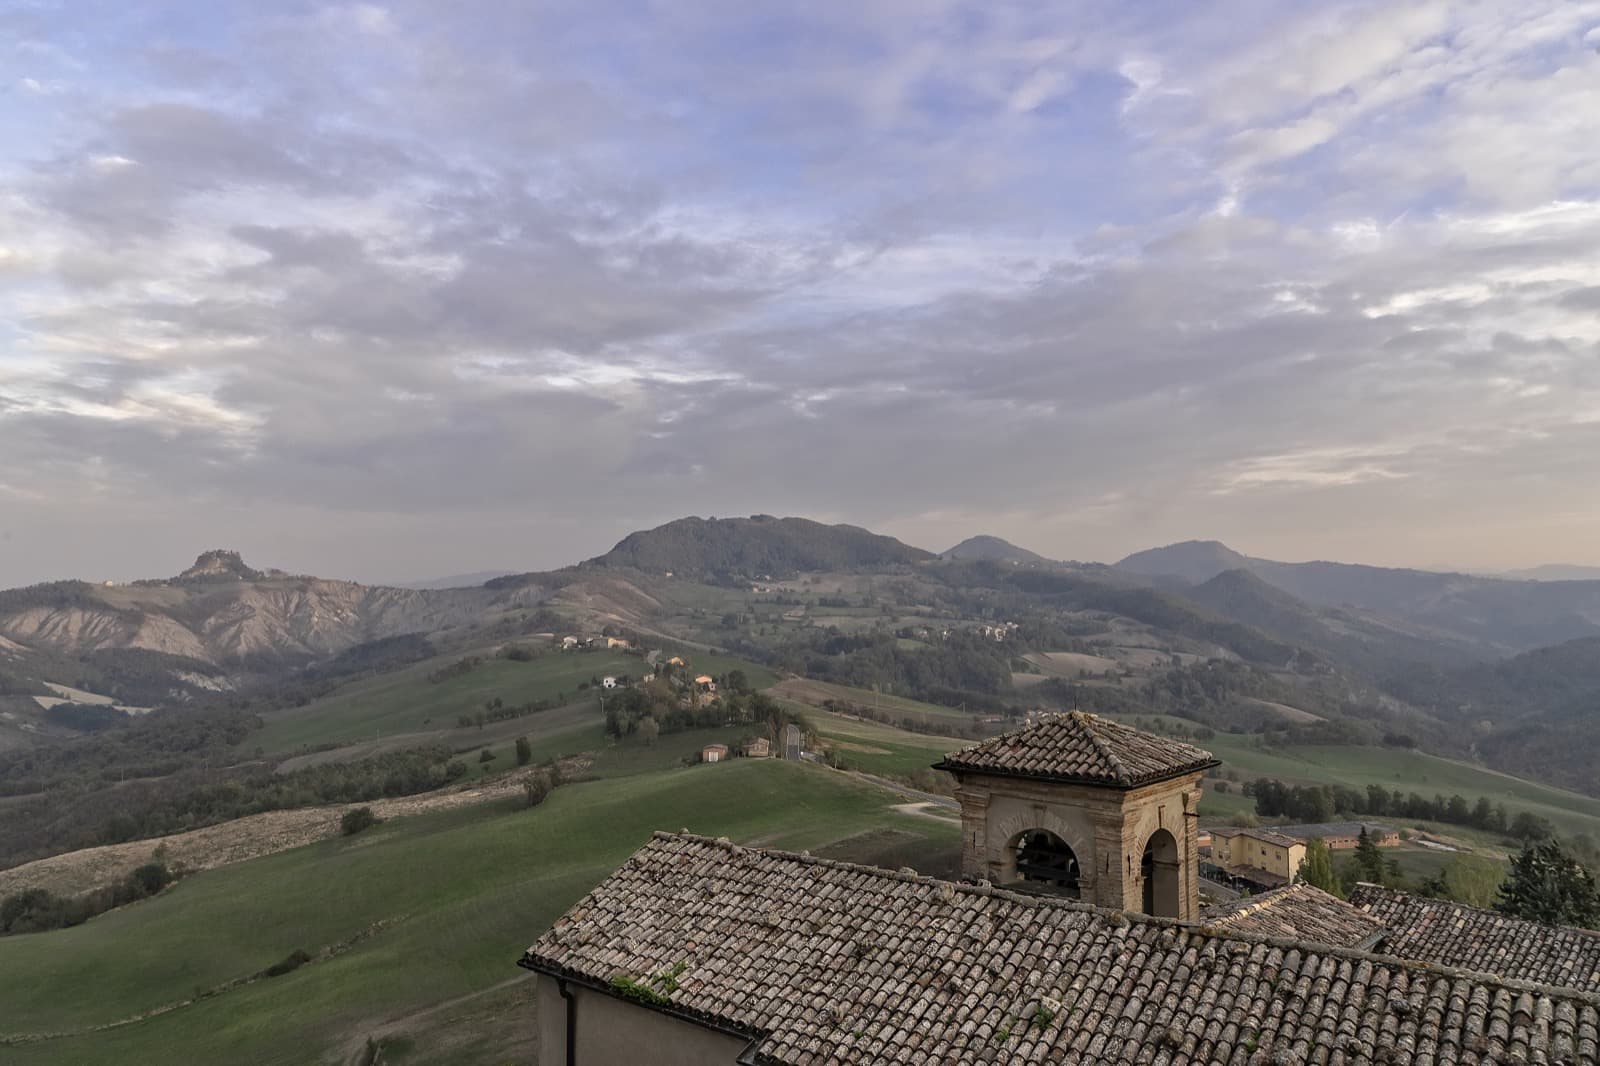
(176, 560)
(376, 290)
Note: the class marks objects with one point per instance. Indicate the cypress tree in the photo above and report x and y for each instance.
(1316, 868)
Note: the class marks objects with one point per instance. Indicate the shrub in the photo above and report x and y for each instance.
(524, 751)
(486, 755)
(537, 787)
(355, 821)
(293, 961)
(150, 878)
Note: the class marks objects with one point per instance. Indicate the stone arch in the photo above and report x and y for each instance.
(1005, 830)
(1045, 863)
(1161, 873)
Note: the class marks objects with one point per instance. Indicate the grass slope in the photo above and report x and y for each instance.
(1397, 768)
(407, 702)
(463, 891)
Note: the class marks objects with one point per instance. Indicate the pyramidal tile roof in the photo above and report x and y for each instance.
(1081, 748)
(822, 962)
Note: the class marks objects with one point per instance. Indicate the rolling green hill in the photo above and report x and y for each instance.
(419, 912)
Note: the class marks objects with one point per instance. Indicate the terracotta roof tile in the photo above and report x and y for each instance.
(1298, 912)
(1083, 748)
(1453, 934)
(1266, 835)
(823, 962)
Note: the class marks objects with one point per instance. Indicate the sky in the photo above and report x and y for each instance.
(396, 290)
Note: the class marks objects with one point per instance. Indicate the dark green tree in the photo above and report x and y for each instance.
(1316, 869)
(1548, 885)
(1369, 860)
(524, 751)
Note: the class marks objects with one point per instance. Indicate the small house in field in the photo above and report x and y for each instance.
(705, 683)
(758, 748)
(568, 643)
(616, 642)
(608, 682)
(714, 753)
(674, 661)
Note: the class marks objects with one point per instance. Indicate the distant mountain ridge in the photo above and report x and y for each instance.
(1552, 572)
(453, 581)
(1501, 615)
(219, 620)
(986, 547)
(758, 545)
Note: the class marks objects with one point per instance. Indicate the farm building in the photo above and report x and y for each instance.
(714, 753)
(1261, 858)
(1342, 836)
(758, 747)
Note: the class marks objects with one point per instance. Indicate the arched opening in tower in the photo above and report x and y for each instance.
(1159, 870)
(1046, 864)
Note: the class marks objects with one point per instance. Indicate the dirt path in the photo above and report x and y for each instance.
(917, 794)
(357, 1049)
(926, 810)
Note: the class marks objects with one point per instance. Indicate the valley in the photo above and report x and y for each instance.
(295, 701)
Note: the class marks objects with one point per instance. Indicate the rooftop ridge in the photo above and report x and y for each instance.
(1085, 721)
(1201, 928)
(1080, 748)
(1448, 904)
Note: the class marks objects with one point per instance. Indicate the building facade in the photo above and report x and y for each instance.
(1265, 858)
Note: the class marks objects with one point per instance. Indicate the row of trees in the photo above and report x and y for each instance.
(1320, 803)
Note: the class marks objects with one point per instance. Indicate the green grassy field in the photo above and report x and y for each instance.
(407, 702)
(803, 690)
(877, 749)
(463, 892)
(1396, 768)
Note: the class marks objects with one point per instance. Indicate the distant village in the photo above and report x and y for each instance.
(689, 693)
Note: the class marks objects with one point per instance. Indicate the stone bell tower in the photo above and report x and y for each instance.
(1085, 807)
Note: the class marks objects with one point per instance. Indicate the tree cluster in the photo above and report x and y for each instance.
(36, 910)
(1321, 803)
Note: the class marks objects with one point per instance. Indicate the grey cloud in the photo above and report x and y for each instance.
(1582, 299)
(534, 305)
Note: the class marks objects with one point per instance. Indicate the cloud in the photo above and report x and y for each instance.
(495, 286)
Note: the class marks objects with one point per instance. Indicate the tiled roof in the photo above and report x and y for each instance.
(1453, 934)
(1257, 875)
(824, 962)
(1082, 748)
(1299, 912)
(1266, 835)
(1332, 829)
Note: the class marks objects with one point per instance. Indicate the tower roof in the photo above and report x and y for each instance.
(1081, 748)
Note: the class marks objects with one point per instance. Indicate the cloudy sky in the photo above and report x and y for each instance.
(394, 290)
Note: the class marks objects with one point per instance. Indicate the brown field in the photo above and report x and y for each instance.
(1068, 663)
